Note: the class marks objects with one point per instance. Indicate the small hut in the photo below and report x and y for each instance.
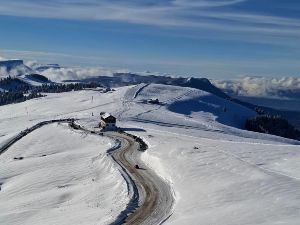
(153, 101)
(107, 122)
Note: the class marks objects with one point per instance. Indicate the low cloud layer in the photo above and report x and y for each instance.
(75, 73)
(259, 86)
(286, 87)
(15, 71)
(57, 74)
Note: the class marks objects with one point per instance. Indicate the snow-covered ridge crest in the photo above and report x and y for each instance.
(193, 104)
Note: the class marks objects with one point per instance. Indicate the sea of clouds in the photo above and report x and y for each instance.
(284, 87)
(58, 74)
(22, 69)
(75, 73)
(288, 87)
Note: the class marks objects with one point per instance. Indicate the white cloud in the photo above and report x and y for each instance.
(259, 86)
(183, 14)
(54, 74)
(31, 63)
(77, 73)
(13, 72)
(206, 3)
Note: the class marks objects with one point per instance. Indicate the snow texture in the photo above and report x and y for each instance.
(220, 174)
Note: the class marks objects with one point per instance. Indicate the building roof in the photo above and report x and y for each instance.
(106, 115)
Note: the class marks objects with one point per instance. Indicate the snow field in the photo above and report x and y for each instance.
(65, 177)
(219, 182)
(232, 176)
(220, 174)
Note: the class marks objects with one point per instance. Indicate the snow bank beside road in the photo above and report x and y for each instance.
(232, 183)
(231, 176)
(64, 177)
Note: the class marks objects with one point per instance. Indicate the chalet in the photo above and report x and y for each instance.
(153, 101)
(107, 122)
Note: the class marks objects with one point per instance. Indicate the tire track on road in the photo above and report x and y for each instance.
(152, 199)
(155, 195)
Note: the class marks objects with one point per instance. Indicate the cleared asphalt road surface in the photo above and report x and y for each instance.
(155, 195)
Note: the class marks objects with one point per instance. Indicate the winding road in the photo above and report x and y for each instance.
(151, 200)
(155, 195)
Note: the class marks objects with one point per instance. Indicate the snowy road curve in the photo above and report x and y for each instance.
(155, 195)
(154, 199)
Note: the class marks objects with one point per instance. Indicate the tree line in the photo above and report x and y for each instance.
(15, 90)
(274, 125)
(16, 97)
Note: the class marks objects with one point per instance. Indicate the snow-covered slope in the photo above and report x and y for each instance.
(220, 174)
(193, 104)
(75, 182)
(63, 178)
(34, 79)
(227, 182)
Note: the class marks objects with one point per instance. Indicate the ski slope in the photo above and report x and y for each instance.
(227, 182)
(219, 174)
(61, 172)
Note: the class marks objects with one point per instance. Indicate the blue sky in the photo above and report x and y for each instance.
(212, 38)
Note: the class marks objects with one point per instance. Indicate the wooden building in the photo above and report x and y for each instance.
(107, 122)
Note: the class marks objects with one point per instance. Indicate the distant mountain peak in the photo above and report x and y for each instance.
(14, 67)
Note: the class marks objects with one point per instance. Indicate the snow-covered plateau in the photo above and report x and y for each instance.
(219, 173)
